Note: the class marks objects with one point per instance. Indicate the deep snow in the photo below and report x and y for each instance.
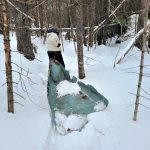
(29, 128)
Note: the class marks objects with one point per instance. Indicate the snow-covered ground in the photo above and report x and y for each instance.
(29, 128)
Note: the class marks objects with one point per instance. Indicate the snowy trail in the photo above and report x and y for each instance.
(108, 130)
(99, 135)
(30, 127)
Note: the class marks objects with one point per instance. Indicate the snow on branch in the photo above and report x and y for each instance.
(37, 6)
(64, 29)
(131, 44)
(19, 10)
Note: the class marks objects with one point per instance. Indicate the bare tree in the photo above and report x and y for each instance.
(22, 25)
(141, 21)
(91, 11)
(100, 25)
(7, 56)
(145, 5)
(79, 33)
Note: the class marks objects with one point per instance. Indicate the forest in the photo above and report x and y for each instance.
(98, 98)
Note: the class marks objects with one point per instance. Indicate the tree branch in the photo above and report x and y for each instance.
(10, 3)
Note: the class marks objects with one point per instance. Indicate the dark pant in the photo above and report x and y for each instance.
(56, 56)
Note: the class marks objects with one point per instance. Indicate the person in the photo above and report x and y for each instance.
(54, 46)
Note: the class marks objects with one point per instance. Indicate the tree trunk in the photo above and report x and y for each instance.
(141, 19)
(91, 10)
(149, 42)
(49, 14)
(139, 83)
(71, 18)
(7, 57)
(79, 32)
(41, 15)
(36, 14)
(144, 24)
(22, 25)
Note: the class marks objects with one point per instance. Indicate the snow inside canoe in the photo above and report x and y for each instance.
(71, 100)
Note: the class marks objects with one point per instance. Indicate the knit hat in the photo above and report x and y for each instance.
(55, 30)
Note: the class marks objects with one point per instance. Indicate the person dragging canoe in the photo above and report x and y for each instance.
(54, 46)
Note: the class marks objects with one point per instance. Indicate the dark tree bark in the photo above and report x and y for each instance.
(9, 81)
(91, 10)
(72, 17)
(141, 21)
(36, 15)
(149, 42)
(102, 11)
(79, 32)
(41, 16)
(22, 25)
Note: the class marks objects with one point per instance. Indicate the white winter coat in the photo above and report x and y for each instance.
(52, 42)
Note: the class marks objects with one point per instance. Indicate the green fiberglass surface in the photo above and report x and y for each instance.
(82, 103)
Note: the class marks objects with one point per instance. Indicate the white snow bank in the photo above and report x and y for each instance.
(129, 46)
(99, 106)
(71, 123)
